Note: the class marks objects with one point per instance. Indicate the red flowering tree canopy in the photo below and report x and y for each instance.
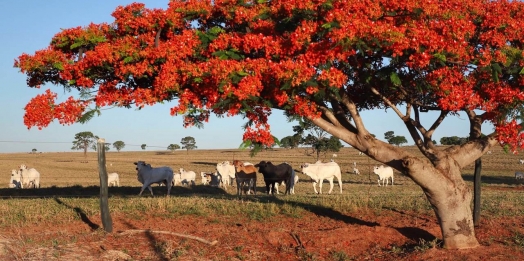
(247, 57)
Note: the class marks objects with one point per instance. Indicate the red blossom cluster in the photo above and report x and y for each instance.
(234, 57)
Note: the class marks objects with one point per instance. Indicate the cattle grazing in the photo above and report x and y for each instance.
(489, 152)
(318, 172)
(227, 172)
(519, 175)
(276, 173)
(245, 174)
(521, 161)
(14, 182)
(113, 179)
(384, 173)
(185, 177)
(334, 155)
(29, 177)
(148, 175)
(360, 153)
(210, 178)
(292, 190)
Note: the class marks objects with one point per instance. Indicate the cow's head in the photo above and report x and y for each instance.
(139, 164)
(261, 164)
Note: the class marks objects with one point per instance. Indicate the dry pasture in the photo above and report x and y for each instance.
(61, 221)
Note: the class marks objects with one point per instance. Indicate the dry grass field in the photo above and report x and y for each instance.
(61, 220)
(72, 168)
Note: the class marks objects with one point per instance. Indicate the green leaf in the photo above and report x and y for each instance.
(286, 86)
(75, 45)
(326, 25)
(522, 71)
(58, 66)
(495, 71)
(88, 116)
(242, 73)
(395, 79)
(128, 59)
(440, 57)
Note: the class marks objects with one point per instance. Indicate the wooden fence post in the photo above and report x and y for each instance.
(104, 204)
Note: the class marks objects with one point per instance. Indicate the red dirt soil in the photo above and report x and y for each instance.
(391, 235)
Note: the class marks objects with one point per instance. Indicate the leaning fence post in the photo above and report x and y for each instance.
(104, 204)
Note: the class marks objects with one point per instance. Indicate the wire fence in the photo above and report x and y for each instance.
(70, 142)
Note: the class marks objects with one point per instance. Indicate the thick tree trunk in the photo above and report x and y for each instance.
(451, 199)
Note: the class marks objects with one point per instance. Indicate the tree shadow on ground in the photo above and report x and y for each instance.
(153, 242)
(204, 163)
(499, 180)
(81, 214)
(94, 191)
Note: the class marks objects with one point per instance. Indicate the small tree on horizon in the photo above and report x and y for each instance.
(119, 145)
(33, 150)
(173, 147)
(188, 143)
(143, 146)
(83, 141)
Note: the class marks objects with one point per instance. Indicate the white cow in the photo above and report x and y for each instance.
(29, 177)
(521, 161)
(318, 172)
(519, 175)
(113, 179)
(384, 173)
(334, 155)
(291, 190)
(15, 179)
(185, 177)
(148, 175)
(227, 172)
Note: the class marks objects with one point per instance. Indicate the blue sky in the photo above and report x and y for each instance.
(29, 25)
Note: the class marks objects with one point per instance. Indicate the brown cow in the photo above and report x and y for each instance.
(245, 175)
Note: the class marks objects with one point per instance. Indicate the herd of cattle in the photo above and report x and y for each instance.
(243, 173)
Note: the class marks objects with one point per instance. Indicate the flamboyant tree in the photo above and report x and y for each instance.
(322, 60)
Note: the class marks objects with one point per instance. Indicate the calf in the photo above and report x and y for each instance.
(276, 173)
(245, 174)
(14, 182)
(148, 175)
(185, 177)
(292, 190)
(113, 179)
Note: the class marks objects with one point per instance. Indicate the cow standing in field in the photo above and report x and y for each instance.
(29, 177)
(227, 173)
(384, 173)
(245, 174)
(148, 175)
(276, 173)
(318, 172)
